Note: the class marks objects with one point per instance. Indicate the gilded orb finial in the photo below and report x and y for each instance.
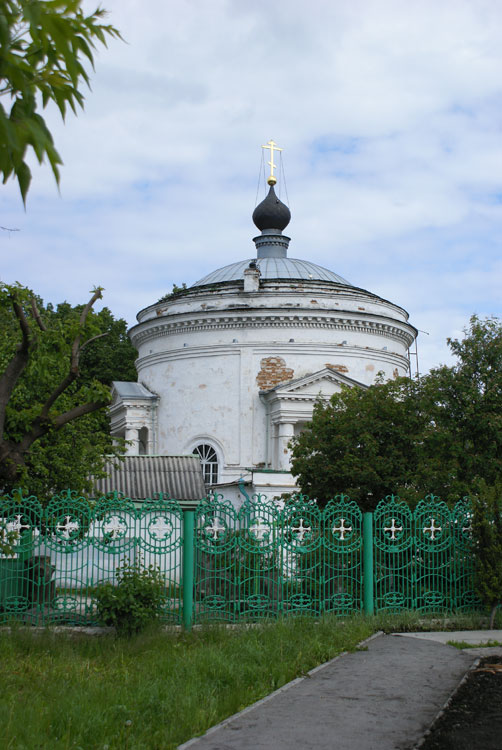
(271, 146)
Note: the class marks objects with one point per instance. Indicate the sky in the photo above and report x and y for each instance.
(390, 117)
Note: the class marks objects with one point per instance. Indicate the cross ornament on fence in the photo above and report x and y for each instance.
(393, 528)
(467, 529)
(260, 529)
(300, 531)
(67, 528)
(215, 529)
(432, 528)
(114, 527)
(160, 527)
(342, 529)
(16, 525)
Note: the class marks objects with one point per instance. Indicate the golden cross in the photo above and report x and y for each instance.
(272, 147)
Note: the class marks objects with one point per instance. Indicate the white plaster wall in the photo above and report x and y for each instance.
(201, 353)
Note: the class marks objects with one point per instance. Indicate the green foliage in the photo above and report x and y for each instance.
(362, 441)
(111, 357)
(42, 46)
(64, 456)
(177, 291)
(440, 433)
(464, 435)
(134, 602)
(487, 533)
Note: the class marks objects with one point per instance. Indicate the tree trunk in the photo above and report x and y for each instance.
(492, 615)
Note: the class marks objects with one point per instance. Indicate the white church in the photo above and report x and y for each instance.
(230, 368)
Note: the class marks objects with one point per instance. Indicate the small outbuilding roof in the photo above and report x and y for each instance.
(140, 477)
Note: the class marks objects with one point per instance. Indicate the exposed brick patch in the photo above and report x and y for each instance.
(396, 372)
(273, 371)
(337, 368)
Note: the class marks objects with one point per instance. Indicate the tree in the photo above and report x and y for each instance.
(56, 367)
(465, 406)
(362, 442)
(487, 533)
(42, 45)
(441, 433)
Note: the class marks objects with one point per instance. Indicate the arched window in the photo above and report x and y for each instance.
(209, 462)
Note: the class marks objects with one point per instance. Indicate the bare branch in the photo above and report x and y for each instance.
(78, 411)
(89, 341)
(97, 294)
(56, 393)
(23, 323)
(36, 315)
(76, 349)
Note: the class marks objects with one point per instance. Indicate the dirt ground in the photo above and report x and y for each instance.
(473, 721)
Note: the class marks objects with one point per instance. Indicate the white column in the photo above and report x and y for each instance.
(285, 433)
(131, 433)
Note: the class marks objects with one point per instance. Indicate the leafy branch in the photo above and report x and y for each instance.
(42, 45)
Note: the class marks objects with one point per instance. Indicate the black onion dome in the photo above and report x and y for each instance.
(271, 213)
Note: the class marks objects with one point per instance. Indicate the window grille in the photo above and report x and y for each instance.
(209, 462)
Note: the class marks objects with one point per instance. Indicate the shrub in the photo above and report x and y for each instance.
(134, 601)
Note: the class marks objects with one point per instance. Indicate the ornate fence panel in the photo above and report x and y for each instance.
(394, 556)
(342, 574)
(464, 597)
(424, 559)
(60, 553)
(434, 556)
(266, 561)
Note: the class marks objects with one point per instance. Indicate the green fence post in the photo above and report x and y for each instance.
(368, 582)
(188, 567)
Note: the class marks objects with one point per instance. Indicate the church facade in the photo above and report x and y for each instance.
(230, 368)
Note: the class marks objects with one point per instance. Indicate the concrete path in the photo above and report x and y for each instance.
(382, 697)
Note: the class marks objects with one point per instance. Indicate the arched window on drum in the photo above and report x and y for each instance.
(209, 462)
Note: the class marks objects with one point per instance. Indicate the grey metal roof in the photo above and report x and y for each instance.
(274, 268)
(132, 390)
(141, 477)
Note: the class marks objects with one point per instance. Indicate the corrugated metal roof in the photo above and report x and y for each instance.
(140, 477)
(274, 268)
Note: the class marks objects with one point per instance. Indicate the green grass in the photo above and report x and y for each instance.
(464, 644)
(153, 692)
(67, 692)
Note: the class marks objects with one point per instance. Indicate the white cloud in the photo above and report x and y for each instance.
(390, 116)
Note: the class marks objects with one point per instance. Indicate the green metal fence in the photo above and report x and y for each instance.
(65, 550)
(220, 564)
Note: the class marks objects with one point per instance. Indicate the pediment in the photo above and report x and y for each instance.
(324, 382)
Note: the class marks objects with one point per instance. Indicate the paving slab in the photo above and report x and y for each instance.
(382, 697)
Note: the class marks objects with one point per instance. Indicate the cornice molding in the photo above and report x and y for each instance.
(401, 332)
